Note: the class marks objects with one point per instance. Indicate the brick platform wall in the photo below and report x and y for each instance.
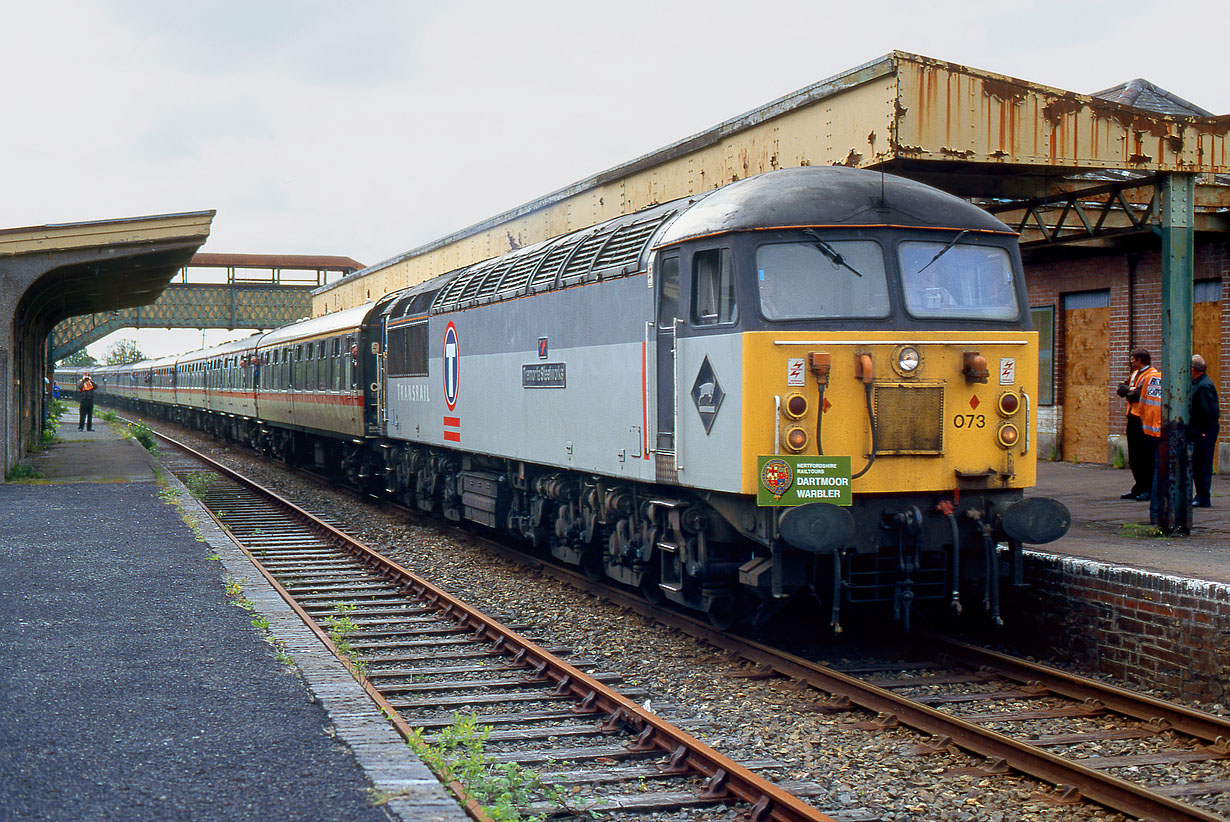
(1148, 630)
(1048, 282)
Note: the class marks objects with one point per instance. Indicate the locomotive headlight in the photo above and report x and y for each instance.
(1008, 435)
(1009, 403)
(907, 360)
(795, 439)
(795, 406)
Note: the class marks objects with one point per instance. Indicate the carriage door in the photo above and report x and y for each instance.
(665, 330)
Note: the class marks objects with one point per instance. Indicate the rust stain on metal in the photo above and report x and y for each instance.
(1140, 159)
(1059, 107)
(1216, 126)
(1007, 92)
(956, 153)
(852, 159)
(871, 138)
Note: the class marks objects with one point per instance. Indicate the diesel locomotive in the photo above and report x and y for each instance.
(815, 382)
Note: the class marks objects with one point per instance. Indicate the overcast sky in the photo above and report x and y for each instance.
(365, 129)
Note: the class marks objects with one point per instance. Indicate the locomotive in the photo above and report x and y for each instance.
(814, 382)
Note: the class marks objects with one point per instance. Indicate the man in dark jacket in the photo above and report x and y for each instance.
(1141, 448)
(1202, 429)
(86, 389)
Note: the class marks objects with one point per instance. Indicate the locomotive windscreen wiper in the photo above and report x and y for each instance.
(945, 249)
(828, 251)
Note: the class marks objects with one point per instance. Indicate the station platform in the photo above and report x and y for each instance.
(134, 689)
(1117, 532)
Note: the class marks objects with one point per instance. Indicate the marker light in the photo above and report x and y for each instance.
(1009, 403)
(1008, 435)
(795, 439)
(795, 406)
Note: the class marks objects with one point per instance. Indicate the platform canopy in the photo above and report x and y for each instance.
(997, 140)
(51, 272)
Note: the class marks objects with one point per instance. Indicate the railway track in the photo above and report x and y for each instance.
(1169, 762)
(1166, 762)
(426, 657)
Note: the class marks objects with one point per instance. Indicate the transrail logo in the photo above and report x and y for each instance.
(452, 366)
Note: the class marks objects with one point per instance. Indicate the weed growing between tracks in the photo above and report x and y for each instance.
(341, 628)
(459, 756)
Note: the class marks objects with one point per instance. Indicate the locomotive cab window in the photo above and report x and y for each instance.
(822, 277)
(713, 288)
(668, 290)
(952, 279)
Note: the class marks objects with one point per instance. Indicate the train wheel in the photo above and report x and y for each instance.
(592, 563)
(650, 589)
(723, 612)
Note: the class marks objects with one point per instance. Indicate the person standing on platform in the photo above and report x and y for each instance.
(1151, 422)
(86, 387)
(1202, 429)
(1141, 454)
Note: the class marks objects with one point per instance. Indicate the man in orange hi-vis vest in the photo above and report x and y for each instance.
(1151, 423)
(86, 387)
(1141, 454)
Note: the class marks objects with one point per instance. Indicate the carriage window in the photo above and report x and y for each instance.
(822, 278)
(352, 363)
(962, 280)
(713, 288)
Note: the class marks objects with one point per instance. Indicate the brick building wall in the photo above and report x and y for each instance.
(1136, 321)
(1149, 630)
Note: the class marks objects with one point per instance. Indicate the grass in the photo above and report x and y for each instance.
(198, 482)
(1137, 531)
(459, 756)
(142, 434)
(19, 472)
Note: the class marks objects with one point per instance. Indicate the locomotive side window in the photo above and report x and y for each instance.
(822, 278)
(668, 301)
(407, 352)
(958, 280)
(713, 288)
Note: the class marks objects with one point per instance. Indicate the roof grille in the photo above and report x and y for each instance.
(629, 241)
(614, 246)
(556, 257)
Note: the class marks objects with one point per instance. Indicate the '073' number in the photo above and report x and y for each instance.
(969, 421)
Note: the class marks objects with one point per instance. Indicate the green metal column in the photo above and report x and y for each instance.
(1178, 197)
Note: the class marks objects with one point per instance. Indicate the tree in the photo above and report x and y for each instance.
(123, 352)
(79, 359)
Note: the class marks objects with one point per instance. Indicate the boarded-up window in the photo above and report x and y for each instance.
(1086, 377)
